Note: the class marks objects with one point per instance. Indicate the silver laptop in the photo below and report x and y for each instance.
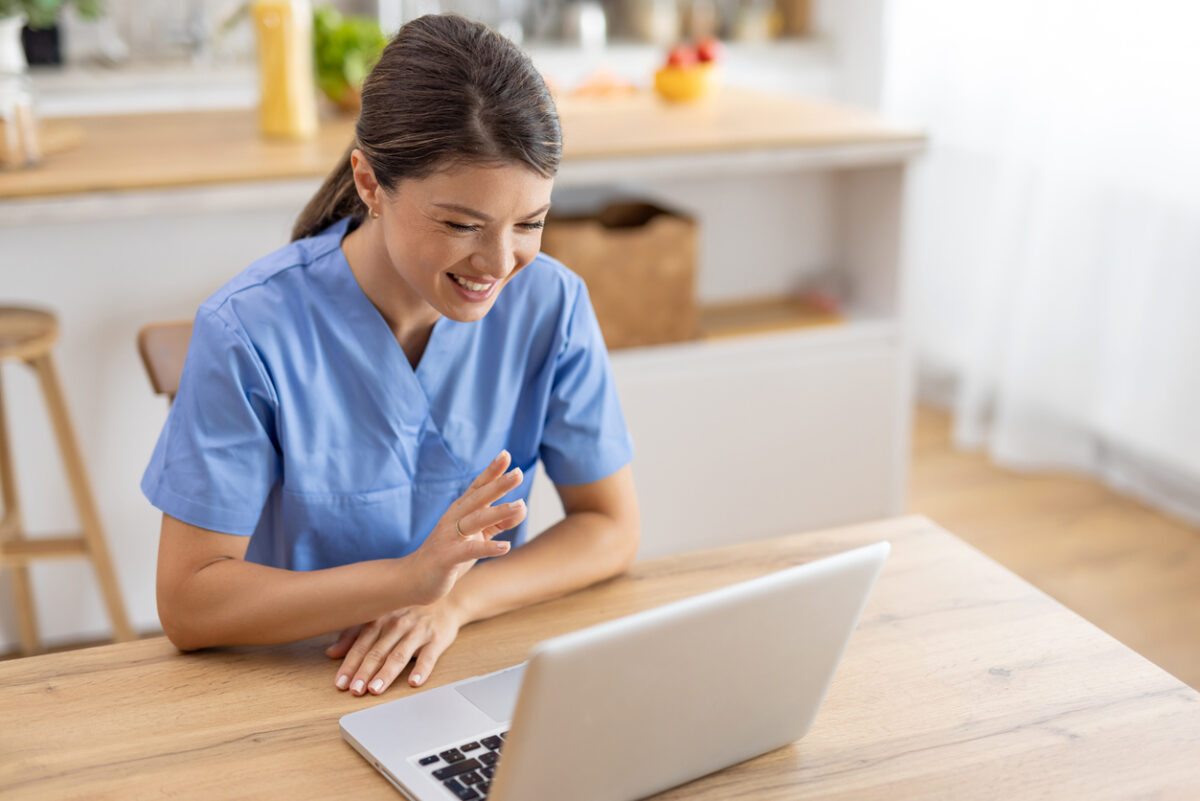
(633, 706)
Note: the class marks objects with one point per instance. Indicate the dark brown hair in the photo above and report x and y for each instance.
(446, 90)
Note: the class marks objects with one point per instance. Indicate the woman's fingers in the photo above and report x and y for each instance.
(339, 649)
(393, 646)
(492, 471)
(426, 660)
(355, 657)
(505, 516)
(487, 494)
(377, 678)
(386, 646)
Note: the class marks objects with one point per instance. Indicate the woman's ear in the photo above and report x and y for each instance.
(364, 180)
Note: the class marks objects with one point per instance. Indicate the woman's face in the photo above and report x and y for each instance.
(458, 236)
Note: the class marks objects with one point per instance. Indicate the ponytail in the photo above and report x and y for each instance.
(337, 198)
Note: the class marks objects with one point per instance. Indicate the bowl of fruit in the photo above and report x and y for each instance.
(690, 72)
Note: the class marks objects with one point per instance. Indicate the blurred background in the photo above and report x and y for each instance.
(1042, 292)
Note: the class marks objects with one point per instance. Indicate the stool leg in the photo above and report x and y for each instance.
(77, 478)
(11, 529)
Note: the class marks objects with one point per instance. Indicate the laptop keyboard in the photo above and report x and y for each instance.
(466, 770)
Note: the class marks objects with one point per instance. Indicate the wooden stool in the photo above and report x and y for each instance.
(27, 335)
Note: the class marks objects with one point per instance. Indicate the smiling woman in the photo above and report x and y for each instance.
(338, 455)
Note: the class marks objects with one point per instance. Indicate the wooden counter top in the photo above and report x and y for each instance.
(157, 151)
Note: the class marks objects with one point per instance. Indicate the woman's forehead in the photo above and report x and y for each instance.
(493, 189)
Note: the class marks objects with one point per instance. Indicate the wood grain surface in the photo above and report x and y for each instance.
(156, 151)
(962, 682)
(1125, 566)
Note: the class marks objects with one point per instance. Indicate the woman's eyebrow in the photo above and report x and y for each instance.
(479, 215)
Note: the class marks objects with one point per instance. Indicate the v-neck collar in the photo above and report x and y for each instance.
(371, 324)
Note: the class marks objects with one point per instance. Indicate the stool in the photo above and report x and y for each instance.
(27, 335)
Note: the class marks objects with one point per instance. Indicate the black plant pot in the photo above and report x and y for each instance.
(41, 45)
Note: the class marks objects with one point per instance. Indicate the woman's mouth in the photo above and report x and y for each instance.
(473, 289)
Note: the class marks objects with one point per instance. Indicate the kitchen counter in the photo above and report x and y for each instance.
(159, 151)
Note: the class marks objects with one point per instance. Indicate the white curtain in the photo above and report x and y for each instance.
(1054, 230)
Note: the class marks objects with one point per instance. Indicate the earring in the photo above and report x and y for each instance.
(374, 214)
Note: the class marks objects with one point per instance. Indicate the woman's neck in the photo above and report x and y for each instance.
(407, 314)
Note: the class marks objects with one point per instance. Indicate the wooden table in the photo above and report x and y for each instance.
(962, 682)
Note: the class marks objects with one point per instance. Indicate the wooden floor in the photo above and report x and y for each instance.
(1129, 570)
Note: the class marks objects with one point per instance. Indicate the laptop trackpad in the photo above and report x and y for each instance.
(495, 695)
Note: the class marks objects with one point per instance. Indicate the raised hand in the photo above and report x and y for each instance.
(464, 534)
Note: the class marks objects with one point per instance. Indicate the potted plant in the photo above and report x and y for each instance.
(345, 48)
(38, 18)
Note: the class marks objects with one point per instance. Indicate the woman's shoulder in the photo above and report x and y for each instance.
(269, 283)
(547, 281)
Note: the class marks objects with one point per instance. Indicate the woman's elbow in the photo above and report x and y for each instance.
(178, 624)
(627, 535)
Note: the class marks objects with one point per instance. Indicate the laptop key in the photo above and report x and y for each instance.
(429, 760)
(470, 778)
(457, 769)
(488, 758)
(493, 742)
(488, 772)
(452, 755)
(460, 792)
(483, 788)
(468, 747)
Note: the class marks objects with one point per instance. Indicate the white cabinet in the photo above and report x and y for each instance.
(744, 437)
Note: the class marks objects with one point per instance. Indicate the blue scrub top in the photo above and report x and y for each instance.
(300, 421)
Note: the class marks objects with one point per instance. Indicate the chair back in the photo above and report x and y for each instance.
(163, 347)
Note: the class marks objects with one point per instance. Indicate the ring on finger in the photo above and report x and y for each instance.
(458, 528)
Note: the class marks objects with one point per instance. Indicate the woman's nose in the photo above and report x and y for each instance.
(496, 258)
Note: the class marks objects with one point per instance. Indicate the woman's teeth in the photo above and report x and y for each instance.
(471, 285)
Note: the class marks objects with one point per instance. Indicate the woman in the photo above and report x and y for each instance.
(338, 455)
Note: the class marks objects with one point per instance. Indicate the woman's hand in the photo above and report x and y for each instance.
(375, 654)
(464, 534)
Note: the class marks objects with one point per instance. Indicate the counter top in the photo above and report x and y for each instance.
(159, 151)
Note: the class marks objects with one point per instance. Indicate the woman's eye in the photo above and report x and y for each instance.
(534, 226)
(464, 228)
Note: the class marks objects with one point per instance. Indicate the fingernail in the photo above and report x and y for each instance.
(516, 473)
(415, 679)
(500, 547)
(516, 505)
(342, 681)
(376, 685)
(499, 457)
(357, 687)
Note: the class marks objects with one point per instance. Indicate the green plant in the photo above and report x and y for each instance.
(44, 13)
(345, 48)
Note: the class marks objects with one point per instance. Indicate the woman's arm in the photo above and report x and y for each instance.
(208, 594)
(597, 539)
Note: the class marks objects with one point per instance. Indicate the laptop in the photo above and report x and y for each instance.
(632, 706)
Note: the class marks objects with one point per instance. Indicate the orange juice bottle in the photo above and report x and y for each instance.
(287, 105)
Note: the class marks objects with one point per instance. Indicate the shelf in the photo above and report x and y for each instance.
(731, 323)
(762, 316)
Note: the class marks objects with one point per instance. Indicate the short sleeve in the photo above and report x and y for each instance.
(217, 457)
(585, 438)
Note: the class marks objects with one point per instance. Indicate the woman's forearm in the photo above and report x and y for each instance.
(235, 602)
(582, 549)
